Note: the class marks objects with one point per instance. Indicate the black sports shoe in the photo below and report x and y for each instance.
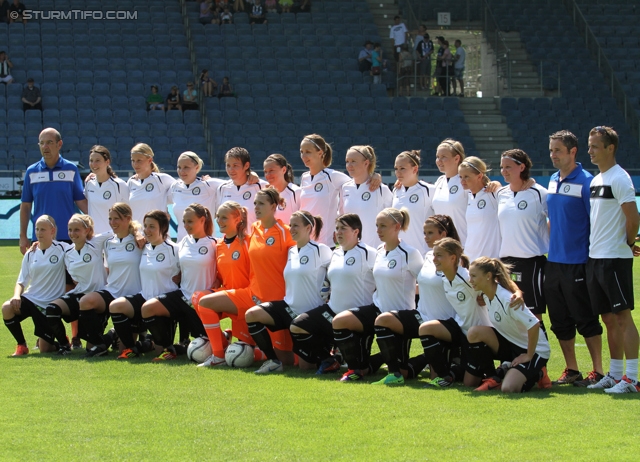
(64, 350)
(97, 350)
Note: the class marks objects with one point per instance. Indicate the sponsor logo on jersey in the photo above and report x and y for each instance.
(516, 277)
(246, 195)
(290, 312)
(497, 316)
(86, 258)
(235, 255)
(195, 191)
(148, 187)
(318, 187)
(106, 195)
(304, 260)
(270, 241)
(160, 257)
(453, 189)
(53, 259)
(129, 247)
(391, 264)
(350, 261)
(482, 204)
(203, 250)
(566, 188)
(413, 199)
(522, 205)
(461, 296)
(61, 175)
(366, 196)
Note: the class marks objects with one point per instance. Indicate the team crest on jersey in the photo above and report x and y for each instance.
(282, 207)
(391, 264)
(482, 204)
(195, 191)
(318, 187)
(453, 189)
(566, 188)
(61, 175)
(160, 257)
(522, 205)
(304, 260)
(497, 316)
(413, 199)
(235, 255)
(106, 195)
(350, 261)
(461, 296)
(129, 247)
(246, 195)
(148, 187)
(203, 250)
(270, 241)
(86, 258)
(366, 196)
(53, 259)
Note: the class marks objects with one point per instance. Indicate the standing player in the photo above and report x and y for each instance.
(104, 188)
(565, 282)
(361, 164)
(41, 279)
(148, 188)
(414, 194)
(279, 174)
(395, 270)
(614, 226)
(522, 215)
(197, 260)
(303, 276)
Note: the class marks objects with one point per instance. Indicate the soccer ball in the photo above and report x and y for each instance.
(239, 354)
(199, 350)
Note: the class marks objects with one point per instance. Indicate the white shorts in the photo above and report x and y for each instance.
(6, 79)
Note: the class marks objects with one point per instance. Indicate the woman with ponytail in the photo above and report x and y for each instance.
(279, 174)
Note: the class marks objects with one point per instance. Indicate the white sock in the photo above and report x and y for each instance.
(632, 369)
(616, 368)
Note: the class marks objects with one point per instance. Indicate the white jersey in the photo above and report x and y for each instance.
(152, 193)
(42, 274)
(123, 261)
(433, 304)
(101, 197)
(243, 195)
(464, 300)
(291, 195)
(366, 204)
(203, 192)
(418, 200)
(86, 266)
(304, 274)
(197, 263)
(609, 190)
(158, 265)
(395, 273)
(483, 230)
(450, 198)
(350, 274)
(523, 222)
(321, 196)
(513, 324)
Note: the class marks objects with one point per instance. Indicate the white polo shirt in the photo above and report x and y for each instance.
(123, 261)
(433, 303)
(304, 274)
(463, 299)
(157, 266)
(101, 197)
(42, 274)
(395, 273)
(243, 195)
(203, 192)
(483, 230)
(350, 274)
(418, 200)
(360, 200)
(197, 263)
(152, 193)
(450, 198)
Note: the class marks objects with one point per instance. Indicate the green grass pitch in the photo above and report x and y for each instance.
(69, 408)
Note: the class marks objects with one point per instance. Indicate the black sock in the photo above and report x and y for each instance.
(261, 336)
(123, 328)
(416, 365)
(390, 345)
(305, 346)
(161, 329)
(405, 351)
(375, 361)
(16, 330)
(54, 320)
(195, 324)
(480, 360)
(91, 325)
(183, 327)
(349, 344)
(437, 353)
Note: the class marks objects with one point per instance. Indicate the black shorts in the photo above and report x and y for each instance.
(567, 295)
(367, 316)
(73, 303)
(532, 370)
(176, 304)
(316, 321)
(458, 338)
(410, 320)
(107, 297)
(137, 301)
(610, 283)
(281, 313)
(528, 274)
(28, 309)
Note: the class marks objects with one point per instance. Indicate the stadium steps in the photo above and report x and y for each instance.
(383, 13)
(488, 127)
(525, 80)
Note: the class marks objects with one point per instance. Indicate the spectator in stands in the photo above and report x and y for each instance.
(425, 50)
(364, 58)
(405, 70)
(190, 98)
(5, 66)
(173, 99)
(446, 69)
(206, 12)
(208, 85)
(238, 5)
(398, 33)
(31, 97)
(226, 89)
(286, 5)
(376, 63)
(438, 72)
(257, 15)
(271, 5)
(4, 11)
(154, 100)
(419, 34)
(16, 11)
(226, 17)
(458, 67)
